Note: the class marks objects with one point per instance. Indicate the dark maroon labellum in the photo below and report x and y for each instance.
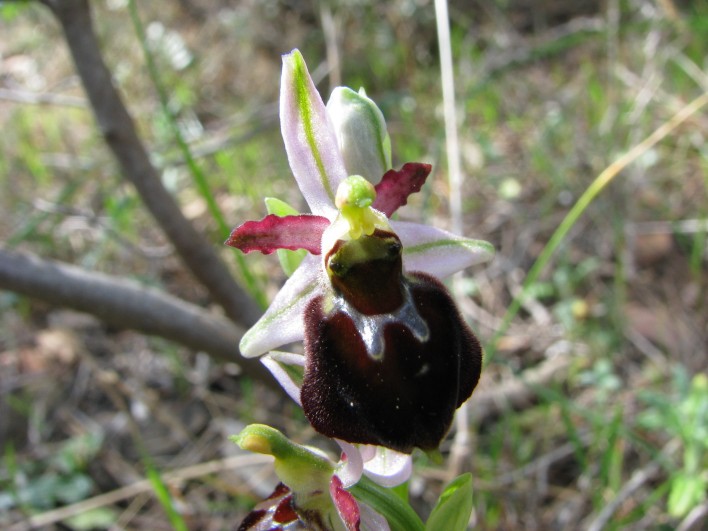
(279, 513)
(401, 392)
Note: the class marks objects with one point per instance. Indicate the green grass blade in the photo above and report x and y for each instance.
(583, 202)
(30, 227)
(165, 499)
(198, 177)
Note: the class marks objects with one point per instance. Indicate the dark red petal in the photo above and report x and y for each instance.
(280, 512)
(285, 512)
(395, 186)
(277, 512)
(275, 232)
(346, 505)
(407, 398)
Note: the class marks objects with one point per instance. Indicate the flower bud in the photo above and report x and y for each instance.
(361, 133)
(298, 467)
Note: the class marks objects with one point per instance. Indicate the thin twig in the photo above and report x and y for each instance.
(698, 513)
(41, 98)
(119, 132)
(452, 144)
(540, 465)
(517, 391)
(127, 304)
(329, 28)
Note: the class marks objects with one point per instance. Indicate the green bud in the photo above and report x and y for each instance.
(298, 467)
(361, 133)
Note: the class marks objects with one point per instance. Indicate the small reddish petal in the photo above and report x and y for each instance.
(277, 512)
(275, 232)
(285, 512)
(346, 505)
(395, 186)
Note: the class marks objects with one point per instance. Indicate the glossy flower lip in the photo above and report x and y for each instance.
(318, 166)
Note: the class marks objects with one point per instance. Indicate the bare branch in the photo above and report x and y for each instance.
(127, 304)
(120, 134)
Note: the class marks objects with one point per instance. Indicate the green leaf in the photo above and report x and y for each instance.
(289, 260)
(74, 488)
(400, 515)
(9, 12)
(402, 490)
(279, 208)
(76, 453)
(452, 512)
(687, 491)
(165, 498)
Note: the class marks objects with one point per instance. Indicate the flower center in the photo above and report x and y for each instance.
(354, 198)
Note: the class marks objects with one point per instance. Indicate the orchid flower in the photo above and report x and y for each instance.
(311, 495)
(388, 357)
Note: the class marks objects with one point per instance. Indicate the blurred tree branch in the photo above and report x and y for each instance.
(120, 302)
(119, 132)
(126, 304)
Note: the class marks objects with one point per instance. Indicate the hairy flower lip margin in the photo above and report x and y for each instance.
(386, 467)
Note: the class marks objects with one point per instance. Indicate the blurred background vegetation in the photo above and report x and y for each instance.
(592, 412)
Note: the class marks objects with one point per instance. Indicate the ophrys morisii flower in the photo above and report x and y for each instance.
(312, 494)
(388, 358)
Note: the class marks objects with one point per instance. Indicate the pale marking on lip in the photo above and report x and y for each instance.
(371, 327)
